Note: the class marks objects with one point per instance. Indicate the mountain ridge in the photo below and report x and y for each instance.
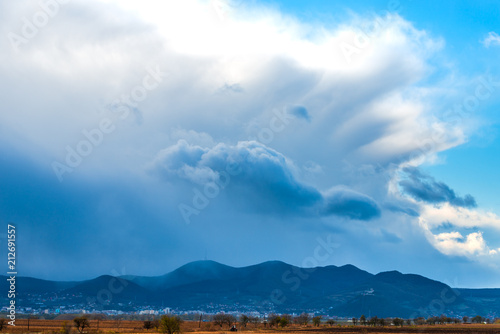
(271, 286)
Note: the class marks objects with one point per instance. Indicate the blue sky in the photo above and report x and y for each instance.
(138, 136)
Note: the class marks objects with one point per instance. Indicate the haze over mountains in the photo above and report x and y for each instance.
(272, 286)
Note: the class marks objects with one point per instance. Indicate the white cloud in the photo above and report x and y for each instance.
(366, 111)
(368, 104)
(455, 244)
(230, 69)
(492, 39)
(434, 216)
(472, 245)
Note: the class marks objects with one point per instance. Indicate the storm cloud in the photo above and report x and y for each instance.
(260, 174)
(425, 188)
(301, 139)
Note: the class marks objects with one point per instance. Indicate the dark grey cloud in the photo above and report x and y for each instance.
(425, 188)
(261, 175)
(345, 202)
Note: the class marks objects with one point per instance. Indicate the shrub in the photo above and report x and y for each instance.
(170, 324)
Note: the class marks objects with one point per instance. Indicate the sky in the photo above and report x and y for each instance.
(136, 137)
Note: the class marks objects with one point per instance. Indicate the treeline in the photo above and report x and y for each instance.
(283, 320)
(441, 320)
(272, 320)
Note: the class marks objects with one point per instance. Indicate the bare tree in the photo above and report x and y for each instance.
(81, 323)
(254, 320)
(244, 319)
(218, 319)
(477, 319)
(302, 319)
(221, 319)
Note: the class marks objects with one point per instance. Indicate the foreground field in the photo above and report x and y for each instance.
(123, 326)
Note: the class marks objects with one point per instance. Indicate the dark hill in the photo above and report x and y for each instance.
(109, 289)
(272, 286)
(192, 272)
(28, 285)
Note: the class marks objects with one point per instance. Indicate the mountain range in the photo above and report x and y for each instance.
(273, 286)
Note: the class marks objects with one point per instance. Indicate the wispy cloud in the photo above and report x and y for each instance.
(492, 39)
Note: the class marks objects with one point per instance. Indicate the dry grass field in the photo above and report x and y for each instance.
(124, 326)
